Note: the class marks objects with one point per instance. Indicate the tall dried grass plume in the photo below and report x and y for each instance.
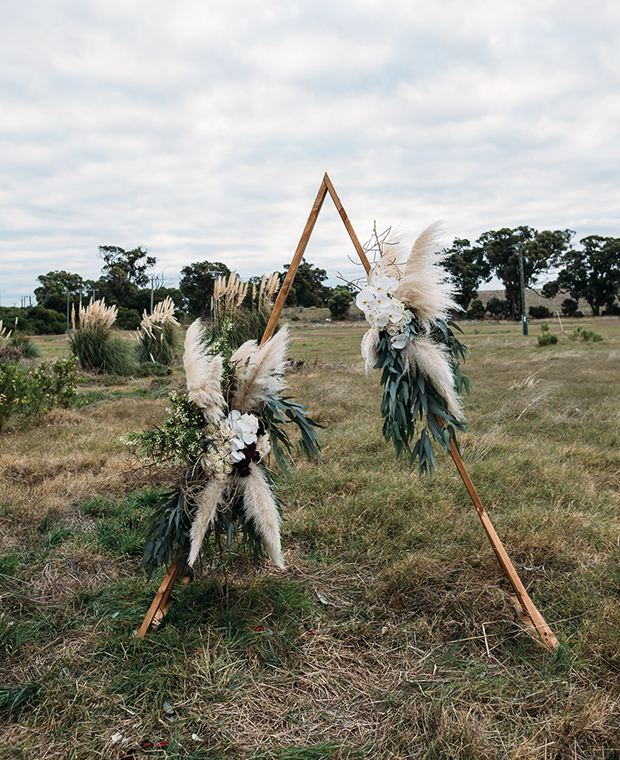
(156, 333)
(259, 372)
(423, 285)
(203, 374)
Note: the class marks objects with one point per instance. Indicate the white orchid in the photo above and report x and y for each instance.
(383, 311)
(385, 284)
(366, 299)
(400, 340)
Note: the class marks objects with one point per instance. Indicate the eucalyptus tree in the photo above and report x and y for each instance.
(539, 252)
(592, 273)
(468, 269)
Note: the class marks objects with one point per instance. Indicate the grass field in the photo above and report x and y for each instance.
(391, 634)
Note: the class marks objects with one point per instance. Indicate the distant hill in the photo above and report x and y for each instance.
(535, 298)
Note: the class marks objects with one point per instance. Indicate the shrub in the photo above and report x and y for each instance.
(582, 333)
(35, 320)
(127, 319)
(24, 345)
(498, 308)
(540, 312)
(36, 392)
(95, 344)
(476, 310)
(569, 307)
(547, 338)
(612, 311)
(340, 302)
(156, 334)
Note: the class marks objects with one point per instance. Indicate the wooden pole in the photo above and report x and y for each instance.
(160, 602)
(294, 265)
(343, 215)
(526, 608)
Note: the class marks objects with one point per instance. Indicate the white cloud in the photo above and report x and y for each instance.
(203, 130)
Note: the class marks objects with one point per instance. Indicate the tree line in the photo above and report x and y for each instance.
(126, 283)
(590, 271)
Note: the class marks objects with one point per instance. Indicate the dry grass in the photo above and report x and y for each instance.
(390, 636)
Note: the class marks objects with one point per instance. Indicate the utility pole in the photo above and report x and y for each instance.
(522, 281)
(151, 294)
(68, 304)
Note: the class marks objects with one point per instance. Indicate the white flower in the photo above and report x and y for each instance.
(400, 340)
(247, 428)
(237, 455)
(385, 284)
(378, 318)
(365, 299)
(394, 311)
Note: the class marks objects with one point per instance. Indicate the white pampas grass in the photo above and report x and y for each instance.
(163, 313)
(423, 286)
(432, 361)
(370, 341)
(96, 315)
(207, 502)
(260, 505)
(243, 354)
(203, 374)
(260, 373)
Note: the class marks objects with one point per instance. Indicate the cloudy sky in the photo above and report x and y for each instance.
(201, 129)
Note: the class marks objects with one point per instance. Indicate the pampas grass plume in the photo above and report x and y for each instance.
(207, 503)
(261, 373)
(432, 361)
(370, 342)
(260, 505)
(423, 285)
(203, 374)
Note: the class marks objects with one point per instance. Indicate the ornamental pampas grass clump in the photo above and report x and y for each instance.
(93, 341)
(8, 351)
(240, 312)
(156, 334)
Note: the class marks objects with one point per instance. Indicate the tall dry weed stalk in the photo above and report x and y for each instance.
(156, 334)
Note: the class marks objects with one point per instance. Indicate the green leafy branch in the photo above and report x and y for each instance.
(410, 399)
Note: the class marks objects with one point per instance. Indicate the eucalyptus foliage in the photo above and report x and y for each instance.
(414, 412)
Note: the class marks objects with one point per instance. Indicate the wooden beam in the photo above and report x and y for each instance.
(158, 607)
(294, 265)
(343, 215)
(528, 612)
(160, 602)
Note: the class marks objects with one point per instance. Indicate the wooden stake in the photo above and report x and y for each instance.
(159, 605)
(294, 265)
(526, 609)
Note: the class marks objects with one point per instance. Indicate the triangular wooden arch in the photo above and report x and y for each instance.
(525, 608)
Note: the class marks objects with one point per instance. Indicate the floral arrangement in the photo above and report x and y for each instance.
(407, 303)
(222, 433)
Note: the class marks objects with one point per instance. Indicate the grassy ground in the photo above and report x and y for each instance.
(391, 635)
